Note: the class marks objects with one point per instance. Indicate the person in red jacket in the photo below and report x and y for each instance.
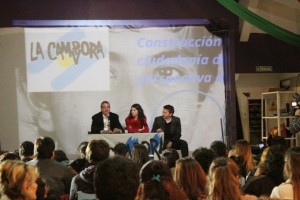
(136, 122)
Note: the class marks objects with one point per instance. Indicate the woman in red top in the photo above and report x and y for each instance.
(136, 121)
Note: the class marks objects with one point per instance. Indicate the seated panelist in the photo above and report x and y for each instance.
(136, 122)
(105, 121)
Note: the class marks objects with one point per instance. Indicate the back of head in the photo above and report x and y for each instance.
(157, 182)
(26, 148)
(292, 169)
(120, 149)
(274, 163)
(13, 174)
(140, 155)
(170, 156)
(44, 147)
(116, 178)
(204, 157)
(97, 150)
(223, 180)
(60, 155)
(190, 177)
(219, 148)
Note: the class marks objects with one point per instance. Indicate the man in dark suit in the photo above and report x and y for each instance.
(171, 126)
(106, 121)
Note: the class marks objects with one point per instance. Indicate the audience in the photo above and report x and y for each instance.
(191, 178)
(169, 157)
(156, 182)
(121, 149)
(57, 176)
(18, 180)
(204, 157)
(219, 148)
(223, 181)
(272, 175)
(96, 151)
(79, 164)
(139, 155)
(291, 188)
(26, 151)
(116, 178)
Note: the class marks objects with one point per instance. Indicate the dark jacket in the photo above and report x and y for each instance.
(175, 129)
(83, 182)
(57, 176)
(98, 125)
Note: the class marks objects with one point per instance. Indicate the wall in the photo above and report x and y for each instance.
(255, 84)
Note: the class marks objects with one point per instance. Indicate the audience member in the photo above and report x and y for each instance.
(80, 163)
(291, 188)
(169, 157)
(191, 178)
(116, 178)
(121, 149)
(139, 155)
(26, 151)
(171, 126)
(57, 176)
(204, 157)
(18, 180)
(219, 148)
(242, 155)
(61, 157)
(96, 151)
(271, 176)
(9, 156)
(260, 168)
(223, 181)
(156, 182)
(136, 122)
(105, 121)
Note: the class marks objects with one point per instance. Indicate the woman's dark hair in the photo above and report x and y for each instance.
(141, 115)
(82, 148)
(60, 155)
(170, 156)
(116, 178)
(139, 155)
(274, 163)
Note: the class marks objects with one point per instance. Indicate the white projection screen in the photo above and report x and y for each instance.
(62, 74)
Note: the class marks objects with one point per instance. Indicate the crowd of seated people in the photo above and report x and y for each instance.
(210, 174)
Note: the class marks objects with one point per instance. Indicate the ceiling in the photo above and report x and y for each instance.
(284, 13)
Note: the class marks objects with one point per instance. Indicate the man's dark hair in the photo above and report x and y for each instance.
(116, 178)
(26, 148)
(219, 148)
(97, 150)
(104, 102)
(204, 157)
(169, 108)
(44, 147)
(121, 149)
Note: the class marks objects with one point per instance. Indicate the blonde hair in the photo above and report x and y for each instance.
(223, 182)
(13, 174)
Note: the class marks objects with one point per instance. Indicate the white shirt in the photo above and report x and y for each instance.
(106, 123)
(283, 191)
